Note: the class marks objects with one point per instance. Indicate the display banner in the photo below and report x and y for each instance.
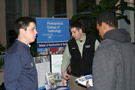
(52, 33)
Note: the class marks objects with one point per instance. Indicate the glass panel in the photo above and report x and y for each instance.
(80, 4)
(12, 5)
(56, 8)
(12, 13)
(34, 7)
(10, 23)
(60, 16)
(60, 6)
(134, 25)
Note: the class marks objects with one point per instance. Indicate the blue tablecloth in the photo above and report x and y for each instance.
(62, 88)
(42, 88)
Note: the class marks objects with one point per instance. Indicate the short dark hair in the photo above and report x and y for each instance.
(23, 22)
(77, 25)
(109, 18)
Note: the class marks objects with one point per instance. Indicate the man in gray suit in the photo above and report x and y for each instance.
(114, 60)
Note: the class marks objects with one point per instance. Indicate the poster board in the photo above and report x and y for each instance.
(52, 33)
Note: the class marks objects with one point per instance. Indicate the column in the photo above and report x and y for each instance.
(43, 8)
(25, 7)
(70, 8)
(2, 23)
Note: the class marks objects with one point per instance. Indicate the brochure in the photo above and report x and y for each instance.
(55, 79)
(82, 80)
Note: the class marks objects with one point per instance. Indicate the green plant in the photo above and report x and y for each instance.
(2, 52)
(2, 49)
(1, 62)
(89, 20)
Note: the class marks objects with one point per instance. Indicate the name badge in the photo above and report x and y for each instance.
(31, 64)
(87, 46)
(73, 48)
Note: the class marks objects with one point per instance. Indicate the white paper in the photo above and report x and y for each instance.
(82, 80)
(42, 68)
(56, 61)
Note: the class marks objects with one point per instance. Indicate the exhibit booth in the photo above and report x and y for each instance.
(53, 35)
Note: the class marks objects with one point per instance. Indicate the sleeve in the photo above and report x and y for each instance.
(90, 88)
(103, 71)
(12, 72)
(65, 60)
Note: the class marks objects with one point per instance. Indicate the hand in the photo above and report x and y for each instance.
(65, 75)
(87, 84)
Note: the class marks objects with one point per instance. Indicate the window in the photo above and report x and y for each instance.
(13, 11)
(134, 25)
(13, 6)
(84, 6)
(57, 8)
(35, 8)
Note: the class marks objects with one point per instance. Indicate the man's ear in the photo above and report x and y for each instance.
(21, 30)
(104, 25)
(81, 31)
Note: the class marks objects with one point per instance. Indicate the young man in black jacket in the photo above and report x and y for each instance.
(79, 54)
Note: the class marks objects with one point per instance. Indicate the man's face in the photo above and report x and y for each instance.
(76, 34)
(100, 29)
(30, 33)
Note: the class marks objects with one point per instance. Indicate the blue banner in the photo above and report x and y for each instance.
(51, 45)
(52, 32)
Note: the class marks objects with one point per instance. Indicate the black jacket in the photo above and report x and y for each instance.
(82, 65)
